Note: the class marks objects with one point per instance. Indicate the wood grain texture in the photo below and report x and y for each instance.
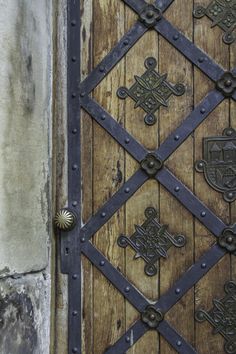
(181, 163)
(108, 176)
(211, 286)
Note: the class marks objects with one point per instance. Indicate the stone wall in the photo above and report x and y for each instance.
(26, 31)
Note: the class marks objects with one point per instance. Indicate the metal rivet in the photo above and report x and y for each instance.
(82, 239)
(74, 276)
(74, 203)
(73, 95)
(201, 60)
(74, 167)
(127, 190)
(102, 263)
(177, 137)
(203, 110)
(75, 313)
(127, 140)
(103, 214)
(127, 339)
(177, 291)
(82, 94)
(73, 59)
(203, 265)
(203, 214)
(230, 195)
(73, 23)
(177, 189)
(126, 42)
(179, 343)
(74, 350)
(127, 289)
(74, 131)
(103, 117)
(101, 69)
(176, 37)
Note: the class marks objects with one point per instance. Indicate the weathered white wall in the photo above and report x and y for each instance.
(25, 111)
(26, 49)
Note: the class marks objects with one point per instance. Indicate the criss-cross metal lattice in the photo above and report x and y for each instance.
(79, 241)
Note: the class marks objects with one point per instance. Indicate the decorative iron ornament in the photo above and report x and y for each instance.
(151, 165)
(223, 14)
(152, 317)
(223, 317)
(227, 240)
(151, 91)
(227, 84)
(151, 241)
(150, 15)
(219, 163)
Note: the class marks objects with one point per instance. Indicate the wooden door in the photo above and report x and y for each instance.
(152, 177)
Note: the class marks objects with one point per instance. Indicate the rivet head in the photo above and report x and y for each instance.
(82, 239)
(203, 110)
(127, 289)
(101, 69)
(203, 265)
(75, 350)
(73, 59)
(102, 263)
(177, 291)
(73, 23)
(127, 339)
(126, 42)
(75, 313)
(177, 189)
(177, 137)
(127, 190)
(103, 117)
(65, 220)
(74, 276)
(103, 214)
(75, 203)
(176, 37)
(74, 167)
(203, 214)
(127, 140)
(74, 131)
(178, 343)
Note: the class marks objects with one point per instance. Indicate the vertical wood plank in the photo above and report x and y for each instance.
(148, 195)
(211, 286)
(108, 172)
(181, 163)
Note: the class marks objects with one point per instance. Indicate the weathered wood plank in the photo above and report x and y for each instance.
(108, 172)
(179, 219)
(211, 286)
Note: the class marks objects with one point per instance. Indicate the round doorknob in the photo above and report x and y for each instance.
(65, 220)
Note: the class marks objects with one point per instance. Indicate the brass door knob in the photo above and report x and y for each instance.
(65, 220)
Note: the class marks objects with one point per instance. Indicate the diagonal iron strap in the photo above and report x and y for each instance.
(103, 118)
(190, 202)
(136, 5)
(173, 295)
(189, 50)
(194, 119)
(115, 277)
(113, 204)
(115, 55)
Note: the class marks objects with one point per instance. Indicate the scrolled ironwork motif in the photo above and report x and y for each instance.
(151, 241)
(223, 317)
(228, 240)
(151, 91)
(219, 163)
(227, 84)
(223, 14)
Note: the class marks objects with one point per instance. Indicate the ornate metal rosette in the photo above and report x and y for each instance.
(219, 163)
(227, 84)
(152, 317)
(151, 165)
(150, 15)
(151, 241)
(151, 91)
(228, 239)
(223, 14)
(223, 317)
(65, 220)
